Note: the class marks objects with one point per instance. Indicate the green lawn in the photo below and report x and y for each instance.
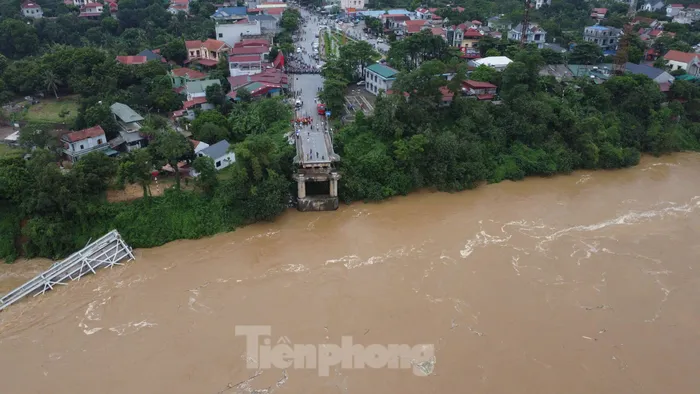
(48, 109)
(8, 151)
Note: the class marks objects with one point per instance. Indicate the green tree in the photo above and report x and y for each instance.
(206, 180)
(586, 53)
(171, 147)
(136, 167)
(175, 51)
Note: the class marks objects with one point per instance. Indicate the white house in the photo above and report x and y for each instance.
(79, 143)
(379, 77)
(540, 3)
(232, 33)
(198, 145)
(218, 152)
(498, 62)
(534, 35)
(31, 9)
(678, 60)
(652, 5)
(673, 9)
(356, 4)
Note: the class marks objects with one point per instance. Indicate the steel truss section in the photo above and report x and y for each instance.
(107, 251)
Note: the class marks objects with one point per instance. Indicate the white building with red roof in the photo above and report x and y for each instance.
(678, 60)
(30, 9)
(231, 33)
(79, 143)
(91, 10)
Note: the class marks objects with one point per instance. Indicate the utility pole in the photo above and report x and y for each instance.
(622, 55)
(525, 23)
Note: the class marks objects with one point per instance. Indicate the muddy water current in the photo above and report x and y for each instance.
(586, 283)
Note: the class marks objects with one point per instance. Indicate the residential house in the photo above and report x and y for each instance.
(605, 37)
(270, 76)
(130, 128)
(499, 23)
(198, 145)
(131, 60)
(261, 51)
(688, 15)
(79, 143)
(206, 53)
(678, 60)
(652, 5)
(534, 35)
(274, 12)
(541, 3)
(439, 31)
(30, 9)
(229, 14)
(91, 10)
(454, 35)
(350, 4)
(393, 21)
(112, 6)
(177, 6)
(268, 23)
(471, 38)
(423, 13)
(498, 62)
(379, 77)
(411, 27)
(152, 55)
(180, 76)
(673, 9)
(196, 89)
(220, 153)
(245, 64)
(659, 76)
(231, 33)
(599, 13)
(478, 89)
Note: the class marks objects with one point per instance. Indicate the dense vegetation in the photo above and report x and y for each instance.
(413, 139)
(63, 210)
(541, 127)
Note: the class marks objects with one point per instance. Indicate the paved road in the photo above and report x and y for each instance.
(313, 141)
(357, 33)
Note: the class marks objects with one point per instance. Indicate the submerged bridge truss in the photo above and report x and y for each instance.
(107, 251)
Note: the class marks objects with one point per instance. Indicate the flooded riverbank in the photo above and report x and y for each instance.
(578, 284)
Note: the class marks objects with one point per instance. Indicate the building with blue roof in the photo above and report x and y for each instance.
(229, 14)
(606, 37)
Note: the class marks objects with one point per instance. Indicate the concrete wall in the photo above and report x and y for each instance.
(231, 33)
(88, 143)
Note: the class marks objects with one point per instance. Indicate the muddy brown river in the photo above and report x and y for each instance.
(587, 283)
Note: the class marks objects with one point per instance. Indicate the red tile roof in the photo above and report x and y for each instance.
(602, 11)
(132, 59)
(694, 6)
(195, 143)
(80, 135)
(396, 17)
(458, 9)
(676, 5)
(418, 22)
(92, 5)
(478, 84)
(438, 31)
(30, 4)
(432, 9)
(472, 33)
(678, 56)
(250, 50)
(192, 74)
(251, 10)
(476, 22)
(207, 62)
(238, 81)
(194, 44)
(665, 86)
(485, 97)
(274, 11)
(214, 45)
(191, 103)
(252, 42)
(244, 58)
(447, 94)
(436, 17)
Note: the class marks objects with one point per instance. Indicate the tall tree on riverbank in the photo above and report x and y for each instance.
(170, 147)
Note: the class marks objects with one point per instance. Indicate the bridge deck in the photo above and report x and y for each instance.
(313, 147)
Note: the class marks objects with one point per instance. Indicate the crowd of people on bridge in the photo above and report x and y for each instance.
(296, 64)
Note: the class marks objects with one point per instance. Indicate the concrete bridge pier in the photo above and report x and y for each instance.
(301, 186)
